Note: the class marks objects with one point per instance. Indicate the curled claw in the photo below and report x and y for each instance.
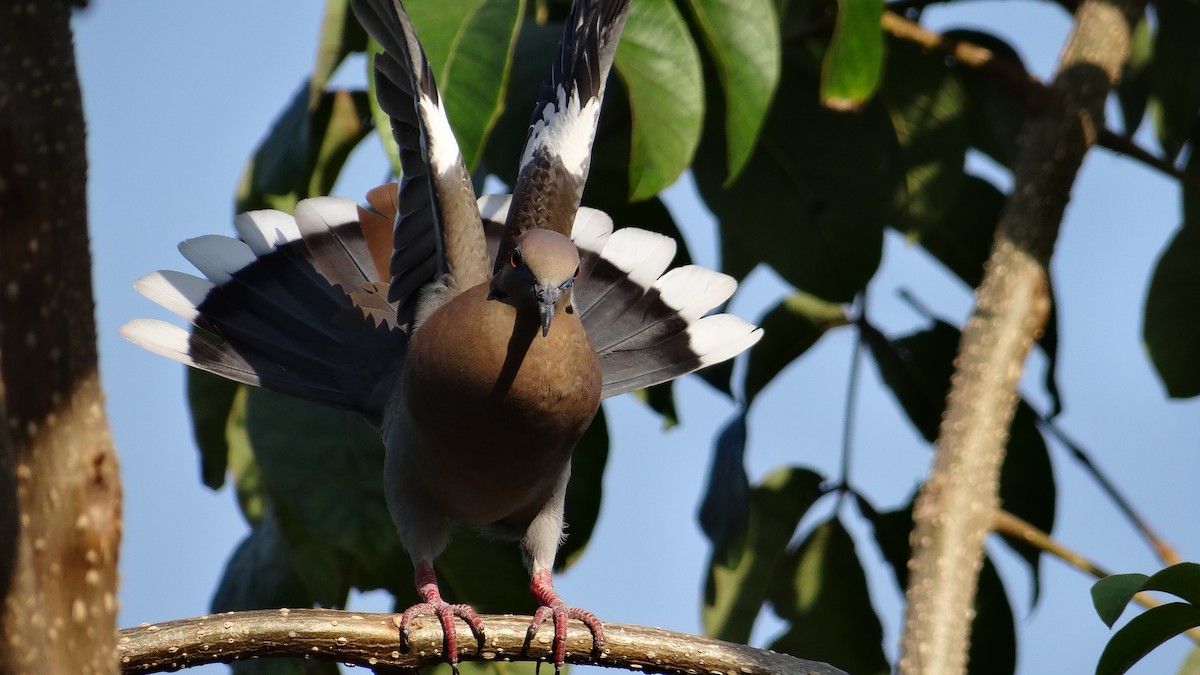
(445, 612)
(553, 606)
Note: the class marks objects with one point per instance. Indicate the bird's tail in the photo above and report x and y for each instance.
(297, 305)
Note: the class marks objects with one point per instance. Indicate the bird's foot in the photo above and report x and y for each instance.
(432, 604)
(552, 606)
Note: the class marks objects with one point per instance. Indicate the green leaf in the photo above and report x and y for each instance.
(660, 66)
(995, 112)
(854, 61)
(812, 200)
(742, 38)
(1175, 73)
(485, 572)
(739, 575)
(1112, 594)
(469, 44)
(341, 34)
(821, 592)
(927, 104)
(789, 329)
(247, 478)
(322, 469)
(1145, 632)
(1133, 90)
(584, 491)
(1171, 325)
(210, 399)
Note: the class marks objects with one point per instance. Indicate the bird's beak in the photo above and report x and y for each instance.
(547, 298)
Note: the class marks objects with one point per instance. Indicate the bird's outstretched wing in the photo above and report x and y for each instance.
(438, 211)
(557, 155)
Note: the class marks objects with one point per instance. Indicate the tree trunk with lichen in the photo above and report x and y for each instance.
(60, 497)
(957, 505)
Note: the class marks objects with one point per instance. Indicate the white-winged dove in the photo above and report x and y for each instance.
(478, 336)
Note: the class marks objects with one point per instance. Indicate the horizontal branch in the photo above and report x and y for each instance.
(371, 640)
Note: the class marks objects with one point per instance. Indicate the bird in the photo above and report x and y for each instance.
(477, 335)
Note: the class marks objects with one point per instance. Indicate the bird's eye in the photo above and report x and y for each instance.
(515, 260)
(576, 275)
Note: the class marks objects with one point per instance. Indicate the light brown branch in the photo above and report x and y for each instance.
(1012, 526)
(957, 505)
(371, 640)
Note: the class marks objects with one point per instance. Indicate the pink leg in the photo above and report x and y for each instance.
(542, 587)
(432, 603)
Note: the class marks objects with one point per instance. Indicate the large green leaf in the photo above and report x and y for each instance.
(927, 104)
(742, 38)
(1175, 73)
(812, 200)
(341, 34)
(1171, 324)
(963, 239)
(469, 44)
(821, 591)
(725, 509)
(789, 329)
(1112, 594)
(854, 61)
(1145, 632)
(210, 399)
(660, 66)
(740, 574)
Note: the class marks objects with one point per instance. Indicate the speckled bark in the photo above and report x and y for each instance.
(58, 614)
(956, 507)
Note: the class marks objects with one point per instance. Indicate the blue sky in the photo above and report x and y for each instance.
(177, 93)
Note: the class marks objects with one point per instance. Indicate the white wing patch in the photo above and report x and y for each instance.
(218, 257)
(266, 230)
(566, 130)
(443, 147)
(178, 292)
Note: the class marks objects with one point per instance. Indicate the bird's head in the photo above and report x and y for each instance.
(539, 274)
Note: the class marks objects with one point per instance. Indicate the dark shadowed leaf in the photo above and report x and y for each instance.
(1133, 90)
(210, 399)
(304, 150)
(485, 572)
(742, 40)
(1145, 632)
(993, 649)
(584, 492)
(854, 60)
(917, 369)
(469, 44)
(789, 329)
(962, 240)
(927, 104)
(1175, 73)
(259, 575)
(1113, 593)
(812, 200)
(1171, 324)
(995, 112)
(660, 67)
(821, 591)
(725, 511)
(739, 576)
(247, 478)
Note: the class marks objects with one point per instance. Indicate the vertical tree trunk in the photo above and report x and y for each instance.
(57, 464)
(956, 507)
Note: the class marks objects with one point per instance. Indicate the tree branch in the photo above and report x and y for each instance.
(371, 640)
(957, 505)
(59, 608)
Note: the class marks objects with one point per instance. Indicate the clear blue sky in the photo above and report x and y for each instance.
(178, 93)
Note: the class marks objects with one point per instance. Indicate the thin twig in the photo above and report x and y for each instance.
(1009, 525)
(1165, 552)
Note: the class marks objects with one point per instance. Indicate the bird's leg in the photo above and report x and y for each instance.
(432, 603)
(542, 587)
